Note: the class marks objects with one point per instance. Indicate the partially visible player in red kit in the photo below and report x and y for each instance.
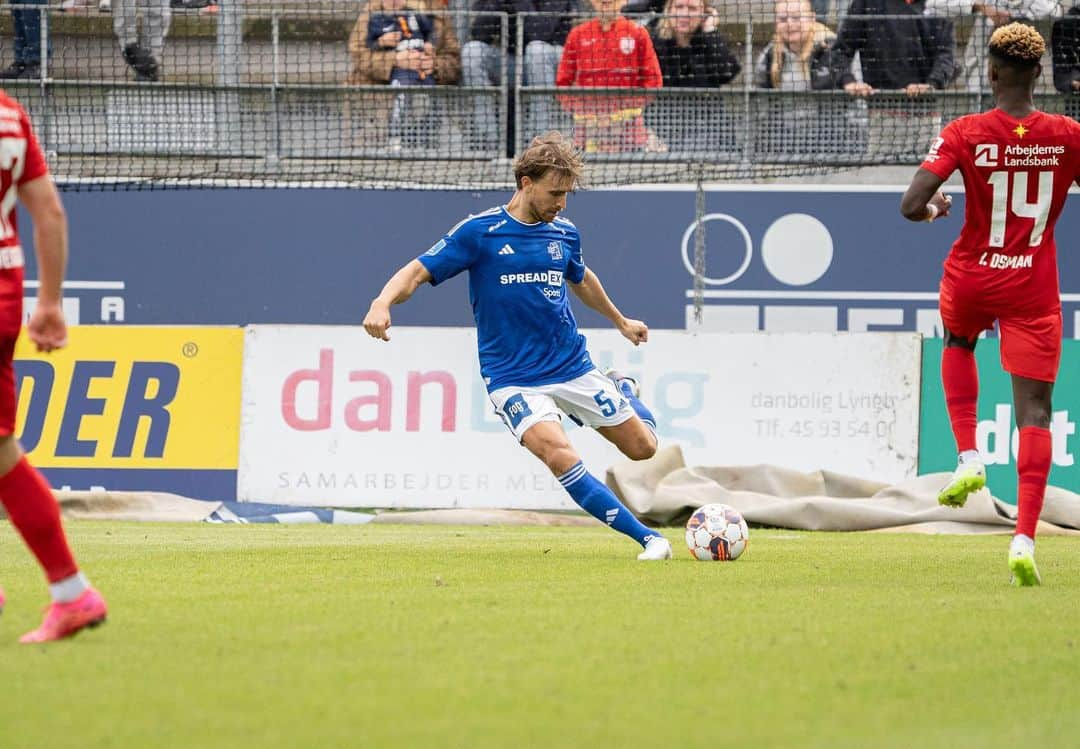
(1018, 164)
(25, 494)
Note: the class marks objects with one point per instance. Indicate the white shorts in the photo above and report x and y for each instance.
(590, 400)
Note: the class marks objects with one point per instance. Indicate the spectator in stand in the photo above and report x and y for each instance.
(544, 37)
(395, 27)
(143, 49)
(972, 67)
(26, 23)
(900, 49)
(914, 55)
(798, 60)
(692, 54)
(609, 51)
(401, 43)
(1065, 41)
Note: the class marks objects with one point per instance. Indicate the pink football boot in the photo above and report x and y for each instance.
(65, 619)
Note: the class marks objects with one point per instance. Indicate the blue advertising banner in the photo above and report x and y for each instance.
(776, 259)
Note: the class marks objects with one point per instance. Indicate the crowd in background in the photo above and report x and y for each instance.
(905, 47)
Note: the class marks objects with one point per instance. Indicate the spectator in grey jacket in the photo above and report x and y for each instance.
(987, 17)
(692, 54)
(543, 35)
(142, 51)
(798, 60)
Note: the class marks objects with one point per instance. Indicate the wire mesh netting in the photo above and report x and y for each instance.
(153, 93)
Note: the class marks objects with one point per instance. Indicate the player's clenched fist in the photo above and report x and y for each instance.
(942, 205)
(47, 328)
(634, 331)
(377, 321)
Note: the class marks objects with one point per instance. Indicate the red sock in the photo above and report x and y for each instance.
(33, 511)
(960, 380)
(1033, 466)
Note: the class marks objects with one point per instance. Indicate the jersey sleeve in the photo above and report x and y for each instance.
(452, 254)
(575, 266)
(35, 165)
(945, 152)
(1075, 129)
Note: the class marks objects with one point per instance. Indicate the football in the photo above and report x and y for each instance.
(716, 532)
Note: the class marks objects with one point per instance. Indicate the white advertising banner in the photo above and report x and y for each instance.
(334, 417)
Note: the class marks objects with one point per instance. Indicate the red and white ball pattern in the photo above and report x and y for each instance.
(716, 532)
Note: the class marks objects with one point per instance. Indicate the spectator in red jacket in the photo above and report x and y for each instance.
(609, 51)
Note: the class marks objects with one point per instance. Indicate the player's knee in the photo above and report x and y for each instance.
(558, 455)
(1033, 415)
(642, 447)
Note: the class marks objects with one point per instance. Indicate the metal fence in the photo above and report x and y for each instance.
(278, 95)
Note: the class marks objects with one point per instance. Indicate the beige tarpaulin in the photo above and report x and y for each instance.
(665, 491)
(144, 506)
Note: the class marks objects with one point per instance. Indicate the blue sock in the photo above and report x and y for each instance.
(640, 408)
(599, 501)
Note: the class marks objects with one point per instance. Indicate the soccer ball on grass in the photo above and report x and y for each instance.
(716, 532)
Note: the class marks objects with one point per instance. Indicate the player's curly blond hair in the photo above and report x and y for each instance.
(1019, 44)
(552, 150)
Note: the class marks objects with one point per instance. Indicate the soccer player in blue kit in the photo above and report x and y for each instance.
(521, 257)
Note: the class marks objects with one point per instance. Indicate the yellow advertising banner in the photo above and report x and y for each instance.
(128, 397)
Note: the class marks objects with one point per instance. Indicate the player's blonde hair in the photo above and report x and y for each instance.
(1019, 44)
(552, 150)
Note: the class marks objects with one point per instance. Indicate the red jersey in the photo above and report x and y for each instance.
(1017, 174)
(620, 57)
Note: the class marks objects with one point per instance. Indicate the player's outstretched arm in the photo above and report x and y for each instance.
(47, 328)
(398, 289)
(591, 292)
(924, 200)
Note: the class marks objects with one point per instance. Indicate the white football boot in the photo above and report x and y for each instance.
(657, 548)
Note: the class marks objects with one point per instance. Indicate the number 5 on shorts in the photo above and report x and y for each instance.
(607, 407)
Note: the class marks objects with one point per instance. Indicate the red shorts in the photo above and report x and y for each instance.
(1030, 342)
(11, 309)
(7, 387)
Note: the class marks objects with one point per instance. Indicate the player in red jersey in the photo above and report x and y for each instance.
(1018, 164)
(26, 496)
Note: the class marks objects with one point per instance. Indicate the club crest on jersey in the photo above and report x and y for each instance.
(986, 154)
(626, 45)
(555, 250)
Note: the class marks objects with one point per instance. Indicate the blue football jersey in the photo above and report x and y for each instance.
(526, 332)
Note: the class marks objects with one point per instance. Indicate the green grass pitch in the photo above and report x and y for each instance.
(384, 636)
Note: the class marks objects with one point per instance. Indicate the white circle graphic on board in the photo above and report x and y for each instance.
(797, 249)
(748, 248)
